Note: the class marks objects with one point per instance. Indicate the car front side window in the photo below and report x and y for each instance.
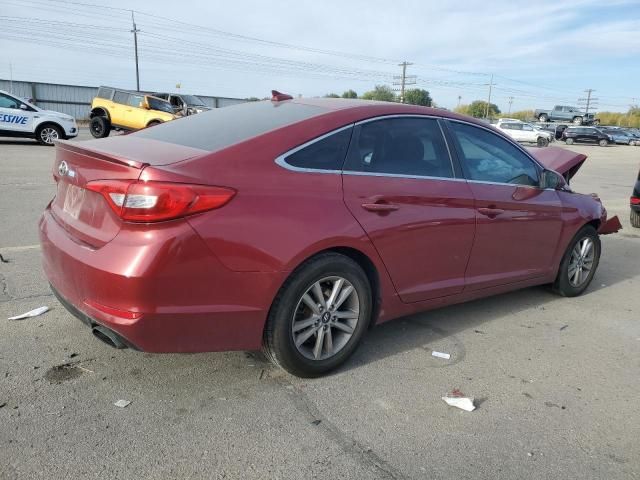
(8, 102)
(487, 157)
(400, 146)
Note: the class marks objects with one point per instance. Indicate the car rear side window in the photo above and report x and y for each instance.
(135, 100)
(105, 92)
(121, 97)
(400, 146)
(487, 157)
(326, 153)
(222, 127)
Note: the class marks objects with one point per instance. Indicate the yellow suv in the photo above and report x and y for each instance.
(114, 109)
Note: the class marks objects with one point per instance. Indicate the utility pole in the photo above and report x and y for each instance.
(588, 102)
(510, 102)
(10, 78)
(459, 99)
(404, 79)
(135, 44)
(490, 84)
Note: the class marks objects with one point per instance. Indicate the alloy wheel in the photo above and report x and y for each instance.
(581, 262)
(325, 318)
(48, 135)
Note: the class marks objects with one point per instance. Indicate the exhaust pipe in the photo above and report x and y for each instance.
(109, 337)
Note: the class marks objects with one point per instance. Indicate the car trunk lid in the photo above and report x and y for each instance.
(85, 214)
(565, 162)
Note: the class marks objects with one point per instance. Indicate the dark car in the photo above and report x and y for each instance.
(295, 225)
(184, 104)
(635, 204)
(555, 129)
(586, 135)
(620, 135)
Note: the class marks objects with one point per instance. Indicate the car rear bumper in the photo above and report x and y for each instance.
(174, 293)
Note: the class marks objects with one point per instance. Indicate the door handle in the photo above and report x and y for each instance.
(380, 207)
(490, 211)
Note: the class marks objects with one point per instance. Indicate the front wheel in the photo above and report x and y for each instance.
(603, 143)
(579, 263)
(577, 120)
(543, 118)
(48, 134)
(542, 142)
(319, 316)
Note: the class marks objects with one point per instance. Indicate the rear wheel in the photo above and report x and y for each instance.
(577, 120)
(153, 123)
(635, 219)
(542, 142)
(579, 263)
(603, 143)
(569, 141)
(47, 134)
(319, 316)
(99, 127)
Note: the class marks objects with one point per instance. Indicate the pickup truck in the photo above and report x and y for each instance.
(563, 113)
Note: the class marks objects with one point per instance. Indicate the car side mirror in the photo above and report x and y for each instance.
(552, 180)
(23, 107)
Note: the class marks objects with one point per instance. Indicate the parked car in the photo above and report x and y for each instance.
(296, 228)
(586, 135)
(525, 132)
(635, 204)
(115, 109)
(184, 104)
(563, 113)
(20, 118)
(554, 128)
(620, 136)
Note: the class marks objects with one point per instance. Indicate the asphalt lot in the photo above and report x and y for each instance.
(555, 379)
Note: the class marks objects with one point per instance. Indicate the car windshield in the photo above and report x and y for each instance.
(193, 100)
(158, 104)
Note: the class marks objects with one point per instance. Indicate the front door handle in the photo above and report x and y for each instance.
(490, 212)
(380, 207)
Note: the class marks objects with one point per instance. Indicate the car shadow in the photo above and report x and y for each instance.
(424, 329)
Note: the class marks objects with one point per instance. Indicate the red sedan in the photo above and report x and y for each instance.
(295, 225)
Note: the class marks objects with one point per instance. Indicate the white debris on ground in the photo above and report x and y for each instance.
(457, 399)
(31, 313)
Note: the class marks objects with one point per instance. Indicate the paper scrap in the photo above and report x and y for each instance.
(122, 403)
(32, 313)
(446, 356)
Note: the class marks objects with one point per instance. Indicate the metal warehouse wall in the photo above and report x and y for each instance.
(75, 99)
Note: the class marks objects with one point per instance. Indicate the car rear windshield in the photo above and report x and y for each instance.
(222, 127)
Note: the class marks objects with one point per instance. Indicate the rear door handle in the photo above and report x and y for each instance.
(380, 207)
(490, 212)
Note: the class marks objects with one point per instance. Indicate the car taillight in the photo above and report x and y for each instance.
(635, 200)
(136, 201)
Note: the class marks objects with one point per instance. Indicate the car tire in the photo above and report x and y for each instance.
(568, 141)
(542, 142)
(48, 133)
(573, 277)
(299, 321)
(577, 120)
(543, 118)
(100, 127)
(153, 123)
(603, 143)
(635, 219)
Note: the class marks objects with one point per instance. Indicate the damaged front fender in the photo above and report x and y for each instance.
(610, 226)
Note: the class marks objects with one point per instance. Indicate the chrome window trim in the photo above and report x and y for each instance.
(399, 175)
(281, 159)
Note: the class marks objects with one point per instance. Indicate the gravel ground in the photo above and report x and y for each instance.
(555, 379)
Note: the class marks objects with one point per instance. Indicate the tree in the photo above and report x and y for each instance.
(332, 95)
(350, 94)
(418, 96)
(380, 92)
(478, 109)
(252, 99)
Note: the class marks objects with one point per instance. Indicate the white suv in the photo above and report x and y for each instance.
(524, 132)
(19, 118)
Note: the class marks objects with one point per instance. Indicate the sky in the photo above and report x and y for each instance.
(540, 53)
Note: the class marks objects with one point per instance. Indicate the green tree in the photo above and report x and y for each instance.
(381, 93)
(478, 109)
(418, 96)
(332, 95)
(252, 99)
(350, 94)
